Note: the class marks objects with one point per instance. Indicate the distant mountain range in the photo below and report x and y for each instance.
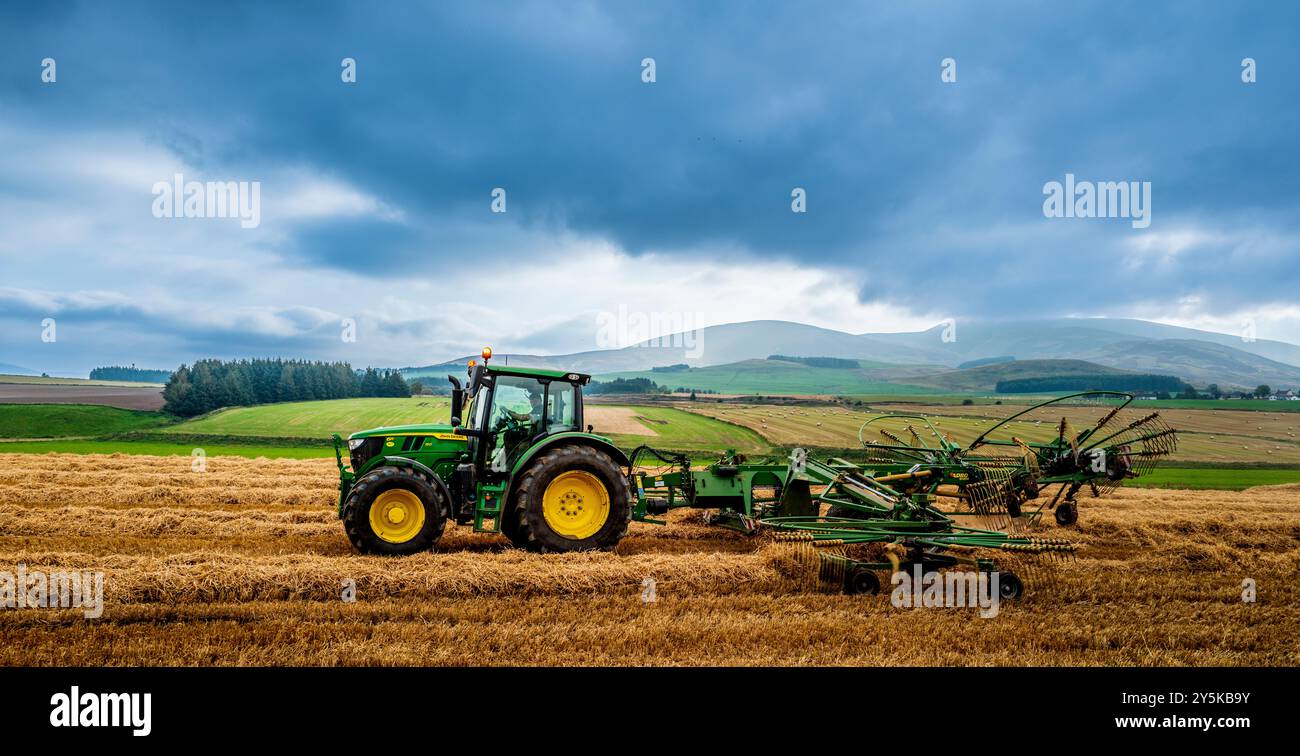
(1200, 357)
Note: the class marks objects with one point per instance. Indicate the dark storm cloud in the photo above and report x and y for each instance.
(931, 190)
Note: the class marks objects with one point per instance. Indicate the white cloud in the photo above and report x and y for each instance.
(1166, 246)
(1271, 322)
(307, 196)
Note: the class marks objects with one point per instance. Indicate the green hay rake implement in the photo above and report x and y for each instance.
(888, 513)
(876, 527)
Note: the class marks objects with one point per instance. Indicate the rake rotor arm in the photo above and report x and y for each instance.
(920, 443)
(1127, 398)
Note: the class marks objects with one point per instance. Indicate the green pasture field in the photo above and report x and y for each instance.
(317, 419)
(1216, 478)
(62, 420)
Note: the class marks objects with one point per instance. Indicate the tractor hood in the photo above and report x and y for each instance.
(424, 441)
(423, 429)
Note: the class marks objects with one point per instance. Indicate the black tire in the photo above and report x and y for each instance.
(367, 488)
(530, 529)
(862, 582)
(510, 523)
(1009, 586)
(1067, 514)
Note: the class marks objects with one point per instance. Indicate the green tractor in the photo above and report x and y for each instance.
(514, 459)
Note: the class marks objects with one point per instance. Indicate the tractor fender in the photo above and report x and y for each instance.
(406, 462)
(562, 439)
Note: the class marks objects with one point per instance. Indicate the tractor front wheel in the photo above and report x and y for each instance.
(394, 510)
(574, 498)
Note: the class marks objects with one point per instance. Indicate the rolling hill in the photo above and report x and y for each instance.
(775, 377)
(1198, 356)
(986, 377)
(787, 377)
(1069, 338)
(1200, 362)
(8, 369)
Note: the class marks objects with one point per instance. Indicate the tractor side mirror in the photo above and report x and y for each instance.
(457, 401)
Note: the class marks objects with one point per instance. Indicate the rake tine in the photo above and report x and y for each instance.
(1100, 424)
(1136, 423)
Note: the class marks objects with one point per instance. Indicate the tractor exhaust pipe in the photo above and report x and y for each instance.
(457, 400)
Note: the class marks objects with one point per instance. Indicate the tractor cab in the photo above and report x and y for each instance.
(506, 411)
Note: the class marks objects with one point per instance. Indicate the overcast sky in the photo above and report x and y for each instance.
(924, 198)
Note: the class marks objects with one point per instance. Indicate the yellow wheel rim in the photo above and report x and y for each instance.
(397, 515)
(576, 505)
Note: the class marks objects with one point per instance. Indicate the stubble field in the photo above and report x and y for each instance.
(244, 564)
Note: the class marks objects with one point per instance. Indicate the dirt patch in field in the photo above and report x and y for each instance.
(144, 398)
(621, 420)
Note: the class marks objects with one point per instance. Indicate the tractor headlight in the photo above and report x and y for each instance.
(353, 443)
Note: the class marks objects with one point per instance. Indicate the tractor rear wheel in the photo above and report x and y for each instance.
(394, 510)
(574, 498)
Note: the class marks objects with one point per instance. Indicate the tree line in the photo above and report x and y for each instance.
(625, 386)
(1135, 383)
(693, 391)
(640, 386)
(133, 373)
(213, 384)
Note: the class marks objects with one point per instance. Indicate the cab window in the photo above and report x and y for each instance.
(518, 400)
(478, 408)
(560, 407)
